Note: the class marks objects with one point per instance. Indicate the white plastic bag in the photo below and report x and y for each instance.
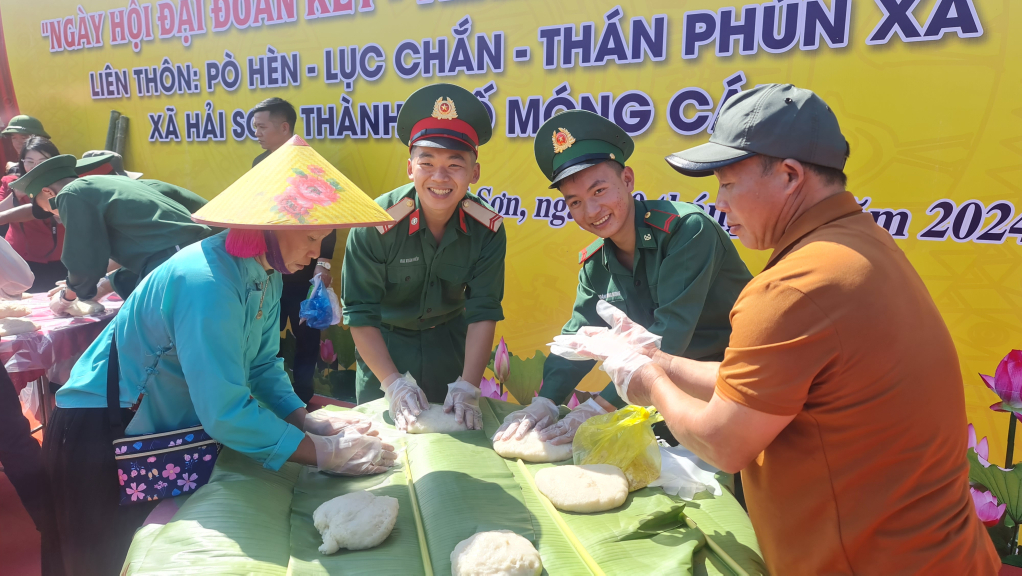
(30, 401)
(335, 303)
(684, 474)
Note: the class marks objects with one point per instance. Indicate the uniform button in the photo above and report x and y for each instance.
(431, 283)
(428, 310)
(638, 282)
(407, 278)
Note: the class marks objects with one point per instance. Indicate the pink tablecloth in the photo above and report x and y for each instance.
(54, 348)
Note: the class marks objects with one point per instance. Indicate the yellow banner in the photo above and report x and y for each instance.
(926, 92)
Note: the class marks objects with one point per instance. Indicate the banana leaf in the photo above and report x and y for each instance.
(239, 523)
(250, 520)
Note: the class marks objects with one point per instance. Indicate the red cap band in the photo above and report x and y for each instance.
(455, 129)
(100, 170)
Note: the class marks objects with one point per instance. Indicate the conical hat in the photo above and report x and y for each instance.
(294, 187)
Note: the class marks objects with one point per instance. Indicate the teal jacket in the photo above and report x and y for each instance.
(191, 338)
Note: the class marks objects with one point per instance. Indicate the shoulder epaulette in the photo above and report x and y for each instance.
(483, 213)
(398, 212)
(590, 250)
(660, 220)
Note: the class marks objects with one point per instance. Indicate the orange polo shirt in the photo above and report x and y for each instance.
(870, 477)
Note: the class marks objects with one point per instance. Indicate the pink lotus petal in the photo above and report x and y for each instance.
(986, 507)
(502, 362)
(326, 351)
(989, 381)
(573, 403)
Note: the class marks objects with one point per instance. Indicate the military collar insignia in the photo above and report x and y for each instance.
(483, 214)
(398, 212)
(590, 250)
(562, 140)
(444, 109)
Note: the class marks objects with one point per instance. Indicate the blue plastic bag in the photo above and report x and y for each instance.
(317, 310)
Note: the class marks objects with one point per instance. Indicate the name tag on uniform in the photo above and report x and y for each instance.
(611, 296)
(408, 260)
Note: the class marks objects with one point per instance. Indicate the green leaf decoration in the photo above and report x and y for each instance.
(344, 346)
(1013, 560)
(1005, 485)
(526, 377)
(334, 183)
(298, 172)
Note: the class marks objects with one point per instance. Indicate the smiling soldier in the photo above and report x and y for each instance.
(667, 265)
(423, 296)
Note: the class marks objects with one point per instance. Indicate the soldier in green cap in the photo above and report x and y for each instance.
(107, 218)
(19, 130)
(667, 265)
(423, 296)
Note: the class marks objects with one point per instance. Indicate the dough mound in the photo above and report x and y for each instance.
(85, 308)
(586, 488)
(435, 420)
(532, 449)
(12, 326)
(13, 309)
(355, 521)
(496, 553)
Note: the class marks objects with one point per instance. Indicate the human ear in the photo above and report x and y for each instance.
(794, 174)
(628, 177)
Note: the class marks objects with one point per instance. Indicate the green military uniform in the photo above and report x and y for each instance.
(263, 156)
(686, 273)
(133, 223)
(421, 294)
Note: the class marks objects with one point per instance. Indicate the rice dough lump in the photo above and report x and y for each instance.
(85, 308)
(531, 449)
(12, 326)
(435, 420)
(496, 553)
(355, 521)
(586, 488)
(13, 309)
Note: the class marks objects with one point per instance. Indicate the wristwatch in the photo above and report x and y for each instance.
(323, 264)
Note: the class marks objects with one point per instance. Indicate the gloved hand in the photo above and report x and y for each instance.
(331, 422)
(564, 431)
(621, 367)
(353, 452)
(61, 284)
(598, 343)
(542, 412)
(463, 400)
(405, 398)
(58, 305)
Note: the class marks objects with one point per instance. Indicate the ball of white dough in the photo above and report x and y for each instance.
(531, 449)
(435, 420)
(496, 553)
(355, 521)
(586, 488)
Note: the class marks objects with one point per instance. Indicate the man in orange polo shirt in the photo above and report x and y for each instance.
(840, 397)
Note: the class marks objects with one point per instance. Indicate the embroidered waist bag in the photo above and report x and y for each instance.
(156, 466)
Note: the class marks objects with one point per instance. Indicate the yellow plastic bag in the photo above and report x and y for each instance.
(623, 438)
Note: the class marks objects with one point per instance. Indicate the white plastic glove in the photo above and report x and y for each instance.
(58, 305)
(542, 412)
(405, 398)
(598, 343)
(330, 422)
(463, 400)
(564, 431)
(60, 285)
(621, 367)
(353, 452)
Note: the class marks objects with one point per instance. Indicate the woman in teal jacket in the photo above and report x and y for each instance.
(197, 344)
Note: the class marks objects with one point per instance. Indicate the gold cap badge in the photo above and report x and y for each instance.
(562, 140)
(444, 109)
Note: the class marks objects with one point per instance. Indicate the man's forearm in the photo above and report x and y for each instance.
(15, 215)
(297, 418)
(683, 414)
(373, 350)
(478, 342)
(695, 378)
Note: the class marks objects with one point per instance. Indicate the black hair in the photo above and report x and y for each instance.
(830, 176)
(278, 108)
(35, 144)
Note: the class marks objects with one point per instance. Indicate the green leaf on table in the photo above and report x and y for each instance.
(525, 377)
(1013, 560)
(1005, 485)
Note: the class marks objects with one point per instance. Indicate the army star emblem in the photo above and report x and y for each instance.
(443, 109)
(562, 140)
